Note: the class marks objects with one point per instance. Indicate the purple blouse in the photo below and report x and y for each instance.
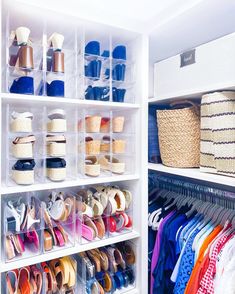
(157, 248)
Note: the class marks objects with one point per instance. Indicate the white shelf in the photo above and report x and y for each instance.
(193, 94)
(194, 173)
(18, 98)
(65, 184)
(68, 251)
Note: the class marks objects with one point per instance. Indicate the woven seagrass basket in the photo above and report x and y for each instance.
(179, 135)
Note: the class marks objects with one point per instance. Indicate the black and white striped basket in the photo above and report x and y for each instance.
(218, 133)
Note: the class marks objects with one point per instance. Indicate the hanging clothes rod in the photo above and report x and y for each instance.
(191, 189)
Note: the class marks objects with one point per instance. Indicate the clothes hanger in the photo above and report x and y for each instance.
(228, 216)
(151, 201)
(152, 216)
(206, 225)
(207, 217)
(218, 215)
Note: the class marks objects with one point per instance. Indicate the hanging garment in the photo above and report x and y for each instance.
(193, 252)
(193, 283)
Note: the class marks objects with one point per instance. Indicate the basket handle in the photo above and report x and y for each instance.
(179, 102)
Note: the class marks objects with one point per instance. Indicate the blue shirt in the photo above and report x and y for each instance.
(186, 264)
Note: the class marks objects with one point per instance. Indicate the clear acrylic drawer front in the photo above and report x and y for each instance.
(65, 173)
(63, 61)
(42, 278)
(23, 227)
(94, 89)
(120, 221)
(92, 166)
(59, 221)
(18, 149)
(90, 226)
(92, 121)
(24, 119)
(17, 176)
(119, 164)
(60, 85)
(21, 56)
(96, 49)
(96, 221)
(96, 67)
(22, 82)
(18, 18)
(121, 280)
(123, 122)
(123, 144)
(66, 267)
(91, 148)
(60, 119)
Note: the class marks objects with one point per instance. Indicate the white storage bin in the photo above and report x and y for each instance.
(206, 68)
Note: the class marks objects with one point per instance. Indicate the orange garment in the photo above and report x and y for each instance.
(201, 263)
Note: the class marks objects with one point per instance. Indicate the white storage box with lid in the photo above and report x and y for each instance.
(205, 68)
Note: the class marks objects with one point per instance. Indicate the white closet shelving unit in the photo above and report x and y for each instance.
(77, 32)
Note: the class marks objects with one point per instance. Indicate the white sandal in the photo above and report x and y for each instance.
(57, 121)
(115, 166)
(92, 167)
(21, 122)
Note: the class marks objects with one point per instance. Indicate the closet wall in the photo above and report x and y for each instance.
(174, 37)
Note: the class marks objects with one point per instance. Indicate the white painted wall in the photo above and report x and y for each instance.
(206, 21)
(140, 15)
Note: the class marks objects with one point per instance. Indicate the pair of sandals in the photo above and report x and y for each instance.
(22, 147)
(96, 262)
(106, 200)
(21, 122)
(26, 280)
(97, 203)
(121, 267)
(94, 165)
(108, 268)
(60, 275)
(58, 211)
(56, 145)
(121, 256)
(21, 216)
(116, 209)
(113, 198)
(21, 227)
(92, 224)
(57, 121)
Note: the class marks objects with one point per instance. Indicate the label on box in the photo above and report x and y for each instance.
(187, 58)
